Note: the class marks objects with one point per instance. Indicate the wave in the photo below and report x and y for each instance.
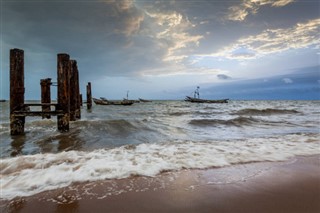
(264, 112)
(178, 113)
(239, 121)
(112, 126)
(181, 113)
(29, 175)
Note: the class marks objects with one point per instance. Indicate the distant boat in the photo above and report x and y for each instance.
(127, 99)
(134, 101)
(107, 102)
(144, 100)
(196, 99)
(102, 98)
(2, 100)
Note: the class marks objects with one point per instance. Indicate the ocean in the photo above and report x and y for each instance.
(145, 139)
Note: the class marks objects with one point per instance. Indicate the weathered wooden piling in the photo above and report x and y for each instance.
(63, 91)
(89, 96)
(67, 71)
(45, 96)
(73, 90)
(77, 93)
(16, 91)
(80, 99)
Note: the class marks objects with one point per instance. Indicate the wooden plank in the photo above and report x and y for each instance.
(42, 104)
(37, 113)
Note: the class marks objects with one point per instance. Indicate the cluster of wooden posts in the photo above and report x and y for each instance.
(69, 99)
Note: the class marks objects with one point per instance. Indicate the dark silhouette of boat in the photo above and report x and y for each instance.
(107, 102)
(2, 100)
(196, 99)
(144, 100)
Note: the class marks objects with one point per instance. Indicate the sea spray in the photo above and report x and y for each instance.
(31, 174)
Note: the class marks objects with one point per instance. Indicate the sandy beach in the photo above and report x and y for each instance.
(290, 186)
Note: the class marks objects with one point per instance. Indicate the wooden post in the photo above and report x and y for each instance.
(16, 91)
(63, 91)
(73, 91)
(89, 96)
(45, 96)
(77, 85)
(80, 99)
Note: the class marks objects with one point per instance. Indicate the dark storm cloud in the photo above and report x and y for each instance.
(95, 33)
(223, 77)
(109, 38)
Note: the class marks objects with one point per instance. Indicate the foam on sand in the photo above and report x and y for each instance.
(31, 174)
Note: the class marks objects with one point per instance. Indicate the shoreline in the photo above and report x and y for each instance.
(288, 186)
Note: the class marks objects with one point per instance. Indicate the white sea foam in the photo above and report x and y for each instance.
(28, 175)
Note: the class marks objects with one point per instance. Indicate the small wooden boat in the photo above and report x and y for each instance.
(134, 101)
(198, 100)
(107, 102)
(104, 99)
(144, 100)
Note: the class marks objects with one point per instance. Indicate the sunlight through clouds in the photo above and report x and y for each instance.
(272, 41)
(172, 31)
(240, 12)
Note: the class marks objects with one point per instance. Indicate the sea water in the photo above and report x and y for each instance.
(113, 142)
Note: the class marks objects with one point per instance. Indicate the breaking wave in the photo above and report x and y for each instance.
(239, 121)
(265, 112)
(31, 174)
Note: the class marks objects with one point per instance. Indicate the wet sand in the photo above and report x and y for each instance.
(291, 186)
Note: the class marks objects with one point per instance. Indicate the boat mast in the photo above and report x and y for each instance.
(196, 93)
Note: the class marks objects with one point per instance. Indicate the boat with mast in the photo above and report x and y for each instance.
(104, 101)
(196, 98)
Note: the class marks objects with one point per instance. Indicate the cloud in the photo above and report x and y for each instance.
(171, 30)
(178, 70)
(287, 80)
(240, 12)
(127, 16)
(272, 41)
(223, 77)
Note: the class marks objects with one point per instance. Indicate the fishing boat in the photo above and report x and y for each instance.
(197, 99)
(128, 100)
(144, 100)
(107, 102)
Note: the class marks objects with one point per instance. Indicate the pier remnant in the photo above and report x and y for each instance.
(46, 96)
(16, 91)
(68, 93)
(89, 96)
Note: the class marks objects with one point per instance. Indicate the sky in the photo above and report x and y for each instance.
(164, 49)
